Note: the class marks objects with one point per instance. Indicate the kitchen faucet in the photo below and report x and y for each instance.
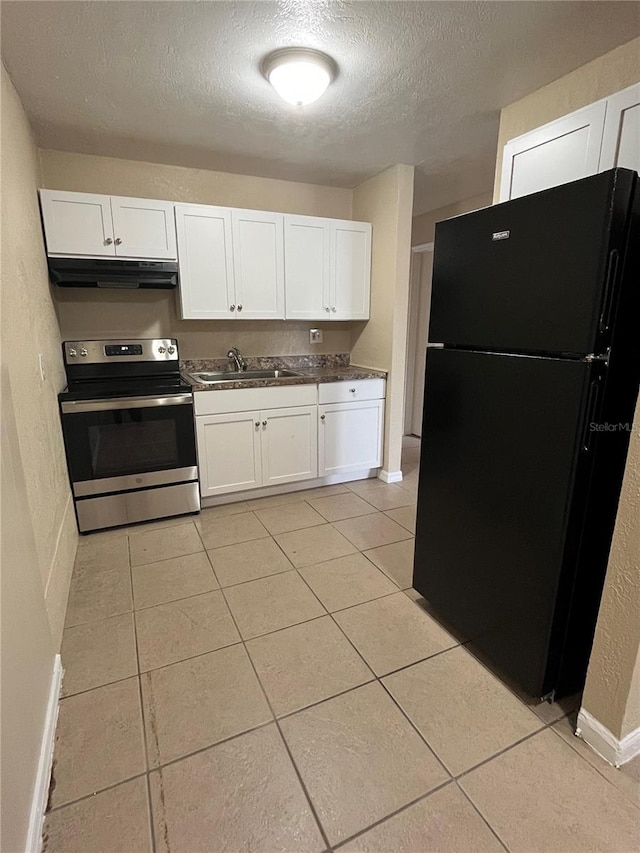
(237, 359)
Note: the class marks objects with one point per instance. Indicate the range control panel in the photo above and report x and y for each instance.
(97, 352)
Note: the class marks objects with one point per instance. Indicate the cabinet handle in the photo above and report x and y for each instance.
(322, 417)
(326, 308)
(108, 241)
(232, 307)
(333, 308)
(118, 241)
(257, 424)
(239, 307)
(353, 390)
(264, 423)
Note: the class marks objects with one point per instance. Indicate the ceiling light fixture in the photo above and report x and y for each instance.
(299, 74)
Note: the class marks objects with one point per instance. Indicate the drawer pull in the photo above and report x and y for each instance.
(264, 423)
(322, 417)
(353, 390)
(257, 424)
(232, 307)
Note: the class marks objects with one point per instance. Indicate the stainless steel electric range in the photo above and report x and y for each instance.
(127, 420)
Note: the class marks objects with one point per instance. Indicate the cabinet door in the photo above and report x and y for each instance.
(289, 444)
(258, 261)
(307, 246)
(621, 140)
(77, 223)
(143, 228)
(206, 262)
(561, 151)
(351, 270)
(228, 452)
(350, 436)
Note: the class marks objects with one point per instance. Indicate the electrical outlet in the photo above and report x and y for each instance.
(43, 375)
(315, 336)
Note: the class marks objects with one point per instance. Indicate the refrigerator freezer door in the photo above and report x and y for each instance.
(502, 437)
(535, 274)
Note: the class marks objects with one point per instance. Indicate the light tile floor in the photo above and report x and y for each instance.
(264, 679)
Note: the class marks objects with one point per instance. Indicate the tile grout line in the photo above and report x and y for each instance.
(282, 738)
(551, 727)
(142, 713)
(395, 813)
(479, 813)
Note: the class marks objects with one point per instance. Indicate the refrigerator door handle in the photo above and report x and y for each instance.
(589, 423)
(607, 299)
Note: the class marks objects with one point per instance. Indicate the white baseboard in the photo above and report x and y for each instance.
(616, 751)
(390, 476)
(285, 488)
(43, 777)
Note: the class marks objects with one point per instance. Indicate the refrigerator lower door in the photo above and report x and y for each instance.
(502, 442)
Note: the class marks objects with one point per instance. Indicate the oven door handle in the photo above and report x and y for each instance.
(120, 403)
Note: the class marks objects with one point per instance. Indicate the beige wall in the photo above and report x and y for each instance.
(97, 314)
(109, 313)
(386, 201)
(62, 170)
(35, 492)
(609, 693)
(597, 79)
(614, 658)
(424, 226)
(30, 327)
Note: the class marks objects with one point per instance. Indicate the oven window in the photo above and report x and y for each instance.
(133, 448)
(122, 442)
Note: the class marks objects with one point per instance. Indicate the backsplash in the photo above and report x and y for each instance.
(96, 314)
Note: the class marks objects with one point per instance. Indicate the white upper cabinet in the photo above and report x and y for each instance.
(351, 270)
(258, 262)
(307, 248)
(99, 225)
(77, 223)
(621, 140)
(327, 268)
(143, 228)
(205, 255)
(591, 140)
(563, 150)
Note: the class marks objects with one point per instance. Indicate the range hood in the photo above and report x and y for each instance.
(113, 273)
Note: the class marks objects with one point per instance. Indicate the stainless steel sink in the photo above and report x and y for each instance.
(213, 378)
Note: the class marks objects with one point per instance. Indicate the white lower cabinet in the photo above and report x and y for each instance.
(289, 445)
(260, 437)
(229, 452)
(350, 436)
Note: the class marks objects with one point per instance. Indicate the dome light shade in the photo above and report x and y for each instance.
(299, 75)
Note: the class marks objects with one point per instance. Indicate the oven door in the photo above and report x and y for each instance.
(116, 445)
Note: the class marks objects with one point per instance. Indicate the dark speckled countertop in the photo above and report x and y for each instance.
(312, 369)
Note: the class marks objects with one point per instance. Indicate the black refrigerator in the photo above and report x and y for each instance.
(531, 380)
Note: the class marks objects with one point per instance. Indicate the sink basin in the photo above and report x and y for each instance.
(212, 378)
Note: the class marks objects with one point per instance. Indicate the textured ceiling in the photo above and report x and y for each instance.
(178, 82)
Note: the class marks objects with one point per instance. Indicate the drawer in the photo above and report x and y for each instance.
(222, 401)
(358, 389)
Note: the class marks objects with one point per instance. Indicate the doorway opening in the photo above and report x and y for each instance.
(417, 336)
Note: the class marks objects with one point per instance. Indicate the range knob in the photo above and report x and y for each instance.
(171, 350)
(161, 350)
(73, 352)
(83, 352)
